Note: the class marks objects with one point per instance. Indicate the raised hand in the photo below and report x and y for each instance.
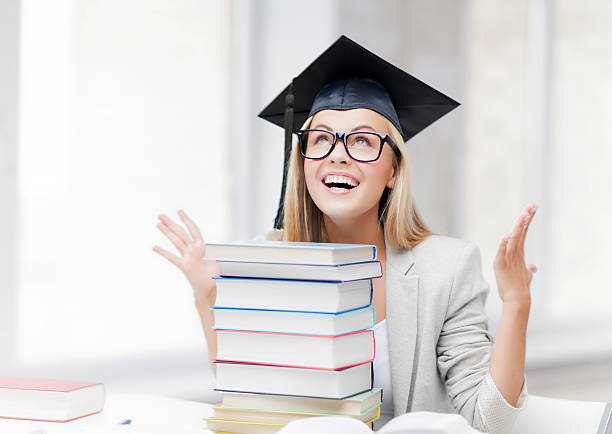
(192, 249)
(512, 274)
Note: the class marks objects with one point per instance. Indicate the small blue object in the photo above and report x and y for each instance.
(125, 422)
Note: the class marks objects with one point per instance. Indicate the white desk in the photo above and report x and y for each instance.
(149, 414)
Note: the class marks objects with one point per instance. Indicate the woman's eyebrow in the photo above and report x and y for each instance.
(361, 127)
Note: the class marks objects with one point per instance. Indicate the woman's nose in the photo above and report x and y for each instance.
(338, 154)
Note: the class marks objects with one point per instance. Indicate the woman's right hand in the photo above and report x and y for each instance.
(192, 248)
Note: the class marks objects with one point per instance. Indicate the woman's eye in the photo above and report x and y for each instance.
(322, 140)
(362, 141)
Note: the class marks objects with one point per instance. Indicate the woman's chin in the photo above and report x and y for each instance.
(343, 213)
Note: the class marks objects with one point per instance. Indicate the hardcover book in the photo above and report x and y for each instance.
(49, 400)
(291, 251)
(280, 380)
(312, 323)
(299, 295)
(268, 270)
(296, 350)
(353, 406)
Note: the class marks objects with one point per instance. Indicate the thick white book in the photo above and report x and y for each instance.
(268, 270)
(356, 405)
(296, 350)
(258, 422)
(276, 417)
(279, 380)
(49, 400)
(314, 323)
(299, 295)
(290, 251)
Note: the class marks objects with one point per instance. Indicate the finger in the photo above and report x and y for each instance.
(501, 250)
(178, 243)
(520, 242)
(527, 223)
(193, 228)
(515, 234)
(169, 256)
(176, 228)
(530, 271)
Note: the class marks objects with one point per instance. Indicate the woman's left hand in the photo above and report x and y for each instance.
(512, 275)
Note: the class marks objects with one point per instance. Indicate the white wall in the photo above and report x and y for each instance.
(124, 115)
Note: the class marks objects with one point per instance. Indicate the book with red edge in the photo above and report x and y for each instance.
(290, 381)
(295, 349)
(49, 400)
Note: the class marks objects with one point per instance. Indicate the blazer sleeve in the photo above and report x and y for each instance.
(464, 349)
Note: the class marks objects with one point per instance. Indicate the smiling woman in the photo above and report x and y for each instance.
(383, 197)
(369, 179)
(430, 299)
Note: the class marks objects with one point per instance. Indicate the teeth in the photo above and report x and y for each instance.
(335, 179)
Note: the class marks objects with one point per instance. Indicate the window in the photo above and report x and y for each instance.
(123, 116)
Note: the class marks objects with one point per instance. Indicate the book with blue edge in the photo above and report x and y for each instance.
(287, 321)
(301, 271)
(293, 295)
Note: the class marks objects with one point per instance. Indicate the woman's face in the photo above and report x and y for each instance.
(370, 178)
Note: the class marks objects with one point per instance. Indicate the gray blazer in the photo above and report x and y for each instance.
(439, 342)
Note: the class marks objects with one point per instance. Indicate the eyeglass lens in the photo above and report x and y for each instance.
(362, 146)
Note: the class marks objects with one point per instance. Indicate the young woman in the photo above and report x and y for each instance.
(348, 182)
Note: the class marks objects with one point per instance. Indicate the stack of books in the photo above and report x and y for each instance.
(294, 333)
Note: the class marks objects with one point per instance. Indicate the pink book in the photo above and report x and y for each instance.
(49, 400)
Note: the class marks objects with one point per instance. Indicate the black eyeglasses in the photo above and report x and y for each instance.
(363, 146)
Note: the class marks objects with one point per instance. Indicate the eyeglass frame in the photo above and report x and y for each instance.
(383, 138)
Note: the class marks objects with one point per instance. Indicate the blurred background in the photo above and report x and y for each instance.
(114, 111)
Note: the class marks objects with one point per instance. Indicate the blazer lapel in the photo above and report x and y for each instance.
(402, 293)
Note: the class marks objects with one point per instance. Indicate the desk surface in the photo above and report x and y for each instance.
(150, 414)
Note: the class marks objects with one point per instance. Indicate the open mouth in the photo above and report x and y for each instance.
(339, 184)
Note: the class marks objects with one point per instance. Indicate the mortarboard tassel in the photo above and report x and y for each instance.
(289, 102)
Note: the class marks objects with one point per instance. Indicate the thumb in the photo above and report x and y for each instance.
(532, 268)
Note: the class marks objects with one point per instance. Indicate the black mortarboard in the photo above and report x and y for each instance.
(348, 76)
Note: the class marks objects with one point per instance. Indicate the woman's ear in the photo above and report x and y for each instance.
(391, 181)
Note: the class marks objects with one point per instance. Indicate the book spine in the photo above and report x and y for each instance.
(245, 362)
(216, 389)
(303, 334)
(50, 420)
(294, 311)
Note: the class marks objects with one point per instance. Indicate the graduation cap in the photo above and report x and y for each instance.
(348, 76)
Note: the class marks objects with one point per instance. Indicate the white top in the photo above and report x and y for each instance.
(382, 373)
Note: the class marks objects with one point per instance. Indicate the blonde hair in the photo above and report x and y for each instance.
(303, 220)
